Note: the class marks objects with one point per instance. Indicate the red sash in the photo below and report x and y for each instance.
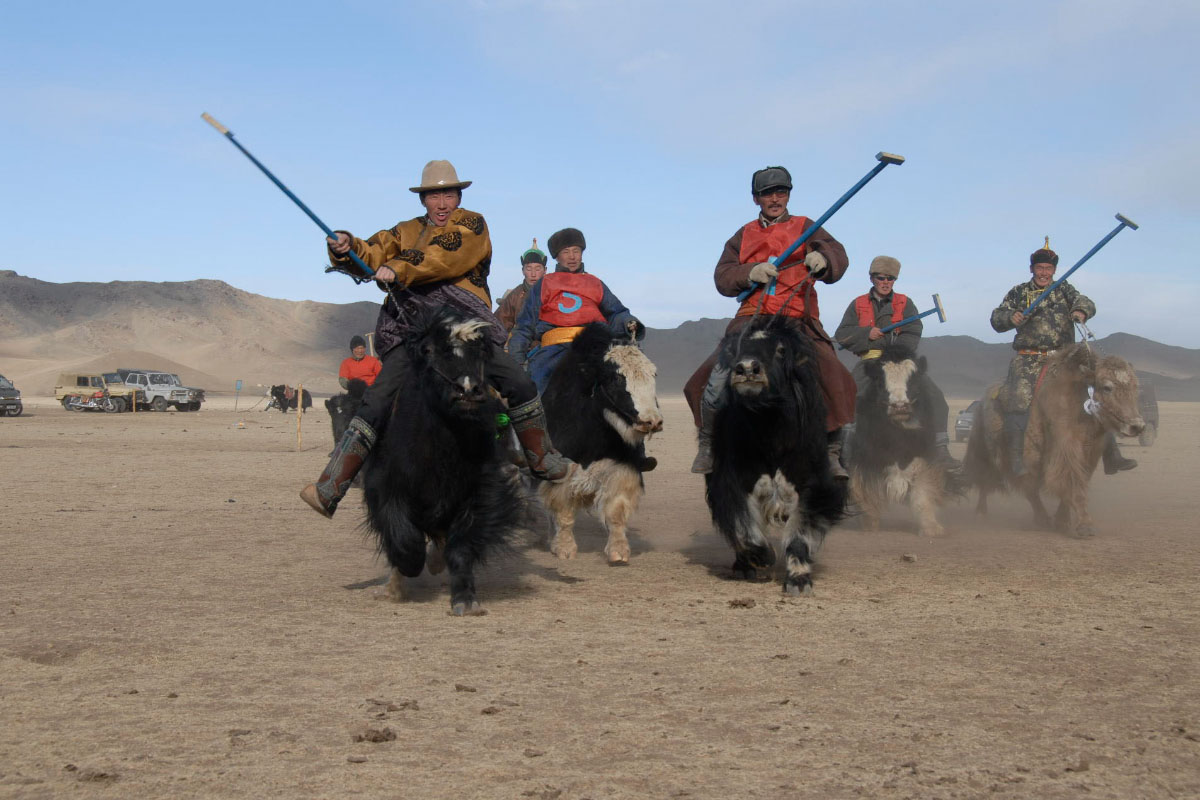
(866, 309)
(760, 244)
(571, 298)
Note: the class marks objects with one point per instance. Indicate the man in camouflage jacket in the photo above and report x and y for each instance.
(1051, 326)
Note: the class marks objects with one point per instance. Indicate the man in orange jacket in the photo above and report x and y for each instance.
(358, 364)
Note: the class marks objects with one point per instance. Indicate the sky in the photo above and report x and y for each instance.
(638, 122)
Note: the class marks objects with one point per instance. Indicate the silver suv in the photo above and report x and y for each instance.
(163, 389)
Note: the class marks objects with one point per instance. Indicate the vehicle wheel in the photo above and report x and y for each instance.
(958, 437)
(66, 403)
(118, 404)
(194, 405)
(1148, 435)
(159, 403)
(180, 406)
(16, 410)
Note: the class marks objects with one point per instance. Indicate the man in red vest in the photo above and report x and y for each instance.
(743, 265)
(358, 364)
(560, 305)
(859, 332)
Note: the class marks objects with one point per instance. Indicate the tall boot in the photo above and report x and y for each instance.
(545, 462)
(703, 463)
(1014, 433)
(834, 446)
(1114, 462)
(348, 457)
(941, 443)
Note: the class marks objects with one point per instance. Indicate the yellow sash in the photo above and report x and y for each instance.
(560, 335)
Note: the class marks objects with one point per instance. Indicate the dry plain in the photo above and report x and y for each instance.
(176, 624)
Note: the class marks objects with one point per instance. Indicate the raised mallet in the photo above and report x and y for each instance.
(1125, 223)
(938, 309)
(884, 159)
(328, 232)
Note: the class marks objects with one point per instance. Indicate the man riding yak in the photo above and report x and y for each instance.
(533, 267)
(439, 259)
(1049, 327)
(860, 333)
(743, 265)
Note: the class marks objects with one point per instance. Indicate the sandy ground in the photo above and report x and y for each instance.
(177, 624)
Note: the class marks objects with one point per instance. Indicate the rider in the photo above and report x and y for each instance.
(743, 265)
(533, 267)
(560, 305)
(358, 364)
(1048, 328)
(859, 332)
(437, 260)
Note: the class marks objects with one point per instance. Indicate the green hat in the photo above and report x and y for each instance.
(533, 255)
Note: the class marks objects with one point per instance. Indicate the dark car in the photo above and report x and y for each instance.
(1148, 406)
(964, 421)
(10, 399)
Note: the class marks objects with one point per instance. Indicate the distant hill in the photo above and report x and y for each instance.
(212, 334)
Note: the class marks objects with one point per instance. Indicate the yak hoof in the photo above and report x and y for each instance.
(744, 572)
(798, 587)
(618, 554)
(564, 548)
(1085, 531)
(933, 530)
(467, 608)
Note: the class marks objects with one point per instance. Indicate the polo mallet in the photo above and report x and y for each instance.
(884, 159)
(938, 309)
(1125, 221)
(229, 135)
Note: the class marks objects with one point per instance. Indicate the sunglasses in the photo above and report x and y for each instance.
(876, 277)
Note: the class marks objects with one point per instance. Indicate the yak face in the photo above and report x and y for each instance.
(1114, 391)
(894, 381)
(450, 360)
(626, 382)
(762, 362)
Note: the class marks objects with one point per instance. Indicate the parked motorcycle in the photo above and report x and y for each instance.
(98, 401)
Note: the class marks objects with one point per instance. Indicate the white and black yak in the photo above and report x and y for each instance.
(437, 476)
(601, 407)
(284, 398)
(894, 453)
(770, 455)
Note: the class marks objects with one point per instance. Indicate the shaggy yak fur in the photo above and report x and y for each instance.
(342, 407)
(1063, 441)
(436, 476)
(601, 407)
(284, 398)
(894, 452)
(770, 462)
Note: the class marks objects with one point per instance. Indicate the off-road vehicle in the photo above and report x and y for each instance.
(91, 390)
(10, 399)
(162, 389)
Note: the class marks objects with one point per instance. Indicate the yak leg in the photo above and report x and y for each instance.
(801, 541)
(562, 500)
(460, 561)
(619, 501)
(1041, 517)
(752, 551)
(397, 587)
(924, 493)
(868, 498)
(1076, 500)
(563, 544)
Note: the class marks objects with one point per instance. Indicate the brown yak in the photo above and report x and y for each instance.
(1081, 399)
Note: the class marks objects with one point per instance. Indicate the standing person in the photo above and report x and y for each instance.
(439, 259)
(743, 265)
(358, 364)
(558, 307)
(1048, 328)
(533, 267)
(859, 332)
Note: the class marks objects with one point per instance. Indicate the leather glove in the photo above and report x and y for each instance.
(634, 327)
(762, 272)
(816, 263)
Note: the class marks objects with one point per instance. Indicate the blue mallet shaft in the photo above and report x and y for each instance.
(937, 309)
(1125, 223)
(884, 159)
(328, 232)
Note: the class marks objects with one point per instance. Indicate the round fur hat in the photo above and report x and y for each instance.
(357, 341)
(439, 175)
(567, 237)
(884, 265)
(1043, 256)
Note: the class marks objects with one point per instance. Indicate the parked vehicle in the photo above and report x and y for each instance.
(1148, 405)
(965, 420)
(162, 389)
(83, 386)
(10, 399)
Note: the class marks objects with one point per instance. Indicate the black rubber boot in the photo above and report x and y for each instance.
(703, 463)
(1014, 434)
(1114, 462)
(834, 446)
(348, 457)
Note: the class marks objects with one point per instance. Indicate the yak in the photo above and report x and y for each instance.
(437, 476)
(1080, 400)
(342, 407)
(893, 456)
(601, 407)
(770, 463)
(284, 398)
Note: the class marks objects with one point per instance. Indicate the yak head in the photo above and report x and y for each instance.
(894, 383)
(619, 375)
(449, 360)
(1112, 387)
(766, 358)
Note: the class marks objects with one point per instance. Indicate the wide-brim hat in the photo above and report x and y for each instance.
(439, 175)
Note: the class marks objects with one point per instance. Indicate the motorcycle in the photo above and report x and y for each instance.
(99, 401)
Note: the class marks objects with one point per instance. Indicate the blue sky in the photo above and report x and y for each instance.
(638, 122)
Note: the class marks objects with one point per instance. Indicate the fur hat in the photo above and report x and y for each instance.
(1044, 256)
(357, 341)
(884, 265)
(533, 255)
(770, 178)
(439, 176)
(567, 237)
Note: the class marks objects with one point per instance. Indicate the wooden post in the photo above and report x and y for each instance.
(299, 416)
